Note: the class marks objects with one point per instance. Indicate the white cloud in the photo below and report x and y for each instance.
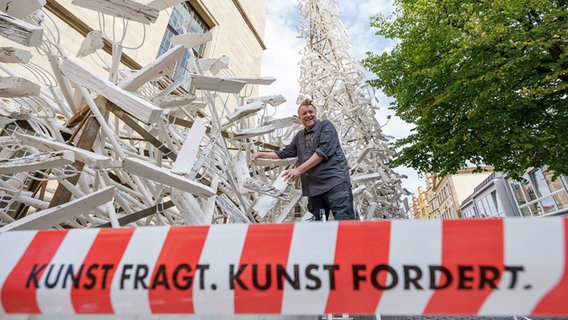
(280, 60)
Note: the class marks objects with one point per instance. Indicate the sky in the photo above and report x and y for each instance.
(280, 60)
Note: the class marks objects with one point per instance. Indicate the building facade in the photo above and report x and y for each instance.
(445, 194)
(490, 199)
(538, 195)
(421, 208)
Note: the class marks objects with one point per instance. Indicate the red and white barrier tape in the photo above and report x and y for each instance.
(454, 267)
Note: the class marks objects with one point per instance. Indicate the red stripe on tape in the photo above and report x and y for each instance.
(19, 290)
(92, 295)
(472, 253)
(556, 301)
(177, 271)
(259, 286)
(362, 254)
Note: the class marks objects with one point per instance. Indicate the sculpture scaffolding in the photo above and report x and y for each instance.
(84, 149)
(333, 79)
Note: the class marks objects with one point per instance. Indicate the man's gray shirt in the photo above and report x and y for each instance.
(323, 140)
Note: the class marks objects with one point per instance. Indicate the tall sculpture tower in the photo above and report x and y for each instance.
(331, 77)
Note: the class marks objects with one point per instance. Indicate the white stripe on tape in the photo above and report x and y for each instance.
(312, 244)
(12, 247)
(537, 247)
(223, 247)
(134, 272)
(65, 263)
(413, 245)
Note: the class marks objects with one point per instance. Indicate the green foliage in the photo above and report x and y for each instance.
(484, 82)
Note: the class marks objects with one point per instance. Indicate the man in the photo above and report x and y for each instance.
(322, 166)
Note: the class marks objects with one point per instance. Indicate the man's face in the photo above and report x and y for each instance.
(308, 116)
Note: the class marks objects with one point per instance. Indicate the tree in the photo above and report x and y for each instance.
(484, 82)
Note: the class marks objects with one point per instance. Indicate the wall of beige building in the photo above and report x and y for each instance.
(465, 183)
(237, 27)
(239, 34)
(424, 205)
(420, 205)
(447, 199)
(445, 194)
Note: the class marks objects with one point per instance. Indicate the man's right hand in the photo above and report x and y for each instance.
(263, 155)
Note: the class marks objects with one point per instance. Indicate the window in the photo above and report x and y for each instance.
(538, 194)
(540, 183)
(489, 205)
(184, 19)
(542, 189)
(518, 192)
(528, 188)
(493, 205)
(558, 189)
(470, 213)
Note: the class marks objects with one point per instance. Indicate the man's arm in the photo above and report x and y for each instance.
(264, 155)
(313, 161)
